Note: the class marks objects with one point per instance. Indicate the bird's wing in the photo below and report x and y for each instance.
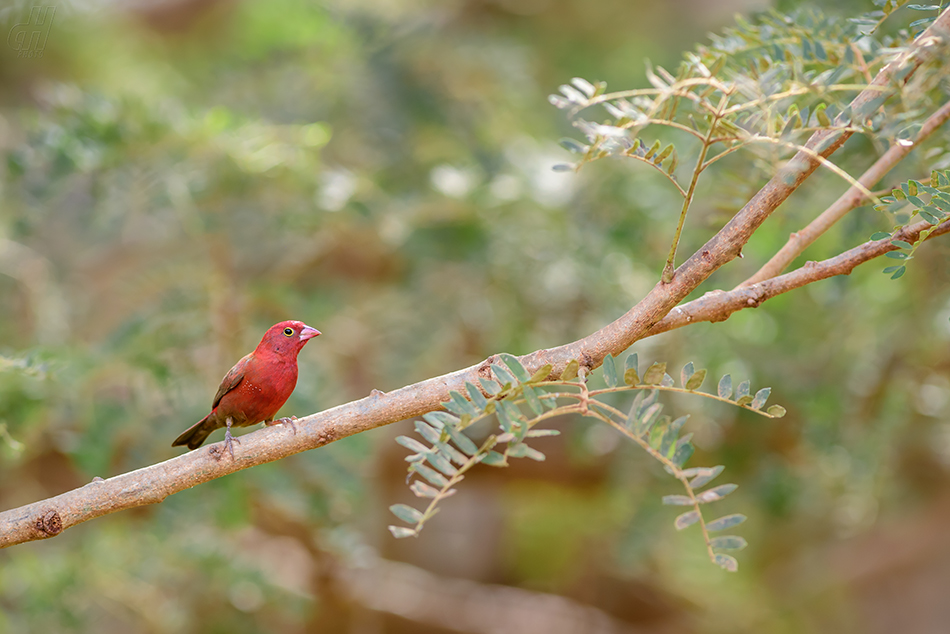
(232, 379)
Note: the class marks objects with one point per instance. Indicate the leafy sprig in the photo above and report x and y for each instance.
(906, 202)
(520, 401)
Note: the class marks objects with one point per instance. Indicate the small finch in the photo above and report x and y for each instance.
(256, 387)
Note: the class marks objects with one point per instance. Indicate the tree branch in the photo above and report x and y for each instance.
(153, 484)
(719, 305)
(461, 605)
(800, 240)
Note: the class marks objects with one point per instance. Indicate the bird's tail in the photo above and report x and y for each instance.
(197, 433)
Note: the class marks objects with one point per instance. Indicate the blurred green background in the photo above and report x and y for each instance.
(177, 176)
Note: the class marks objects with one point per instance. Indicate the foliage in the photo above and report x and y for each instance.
(764, 86)
(512, 388)
(933, 212)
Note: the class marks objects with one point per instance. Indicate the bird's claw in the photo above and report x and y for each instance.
(287, 420)
(229, 440)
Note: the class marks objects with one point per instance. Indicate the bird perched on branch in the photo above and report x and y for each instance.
(256, 387)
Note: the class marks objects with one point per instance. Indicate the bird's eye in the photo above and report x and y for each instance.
(288, 332)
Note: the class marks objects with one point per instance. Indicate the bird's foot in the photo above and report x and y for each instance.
(287, 420)
(229, 440)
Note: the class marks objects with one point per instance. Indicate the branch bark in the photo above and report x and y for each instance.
(800, 240)
(719, 305)
(153, 484)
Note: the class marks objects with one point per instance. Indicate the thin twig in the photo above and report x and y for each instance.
(795, 92)
(688, 196)
(824, 161)
(660, 169)
(669, 464)
(663, 122)
(680, 390)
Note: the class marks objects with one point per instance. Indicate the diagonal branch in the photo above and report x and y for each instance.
(851, 199)
(153, 484)
(719, 305)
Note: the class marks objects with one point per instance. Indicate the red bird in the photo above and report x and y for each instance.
(256, 387)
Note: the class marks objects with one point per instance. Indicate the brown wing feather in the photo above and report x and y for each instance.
(232, 379)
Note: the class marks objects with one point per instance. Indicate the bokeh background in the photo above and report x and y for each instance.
(177, 176)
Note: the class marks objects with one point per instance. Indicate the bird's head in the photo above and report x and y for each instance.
(287, 337)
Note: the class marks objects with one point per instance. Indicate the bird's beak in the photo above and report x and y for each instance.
(308, 333)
